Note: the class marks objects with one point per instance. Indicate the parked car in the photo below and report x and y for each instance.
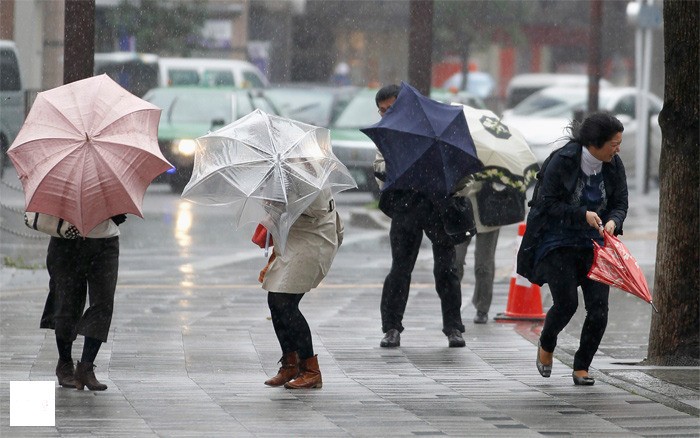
(355, 149)
(352, 147)
(524, 85)
(479, 83)
(463, 97)
(543, 117)
(190, 112)
(136, 72)
(210, 72)
(11, 99)
(314, 104)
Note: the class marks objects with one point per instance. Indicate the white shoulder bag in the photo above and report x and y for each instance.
(51, 225)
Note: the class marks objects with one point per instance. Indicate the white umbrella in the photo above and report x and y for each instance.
(268, 169)
(504, 151)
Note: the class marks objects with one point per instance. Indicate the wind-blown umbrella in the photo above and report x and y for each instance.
(87, 151)
(503, 150)
(614, 265)
(426, 145)
(268, 169)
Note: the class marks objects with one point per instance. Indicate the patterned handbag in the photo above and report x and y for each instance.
(51, 225)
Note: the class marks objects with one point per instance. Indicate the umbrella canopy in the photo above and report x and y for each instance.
(506, 156)
(614, 265)
(87, 151)
(426, 145)
(268, 169)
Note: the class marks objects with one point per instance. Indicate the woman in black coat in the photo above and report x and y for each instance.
(581, 195)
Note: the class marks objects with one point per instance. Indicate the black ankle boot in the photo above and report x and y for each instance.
(65, 371)
(85, 376)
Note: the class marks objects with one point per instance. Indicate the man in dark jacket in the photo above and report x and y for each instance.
(413, 214)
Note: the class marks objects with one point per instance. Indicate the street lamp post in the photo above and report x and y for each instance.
(594, 56)
(646, 17)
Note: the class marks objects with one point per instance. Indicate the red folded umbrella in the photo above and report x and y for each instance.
(261, 237)
(614, 265)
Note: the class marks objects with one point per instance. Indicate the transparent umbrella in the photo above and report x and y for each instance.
(267, 169)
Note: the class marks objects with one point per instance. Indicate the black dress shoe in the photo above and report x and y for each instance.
(545, 370)
(455, 340)
(584, 381)
(481, 317)
(392, 338)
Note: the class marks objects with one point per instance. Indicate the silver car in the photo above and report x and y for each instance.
(543, 117)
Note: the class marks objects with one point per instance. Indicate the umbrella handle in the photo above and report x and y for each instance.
(653, 306)
(267, 245)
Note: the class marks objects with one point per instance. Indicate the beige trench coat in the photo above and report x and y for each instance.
(312, 243)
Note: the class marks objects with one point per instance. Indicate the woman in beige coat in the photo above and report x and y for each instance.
(311, 246)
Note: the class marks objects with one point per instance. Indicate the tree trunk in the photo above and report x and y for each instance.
(674, 337)
(420, 45)
(79, 44)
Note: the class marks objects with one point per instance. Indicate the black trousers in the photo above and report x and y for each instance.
(290, 326)
(405, 235)
(81, 269)
(564, 270)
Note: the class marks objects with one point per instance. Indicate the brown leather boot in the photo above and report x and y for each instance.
(288, 370)
(85, 376)
(309, 375)
(65, 371)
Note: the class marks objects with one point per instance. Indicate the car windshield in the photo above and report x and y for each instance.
(263, 103)
(361, 112)
(559, 104)
(308, 106)
(200, 108)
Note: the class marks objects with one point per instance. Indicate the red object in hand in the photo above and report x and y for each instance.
(614, 265)
(260, 235)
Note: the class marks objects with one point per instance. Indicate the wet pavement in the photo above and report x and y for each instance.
(191, 344)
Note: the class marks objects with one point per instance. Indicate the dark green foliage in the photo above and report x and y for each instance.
(162, 27)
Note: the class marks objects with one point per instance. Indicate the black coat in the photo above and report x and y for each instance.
(550, 207)
(455, 213)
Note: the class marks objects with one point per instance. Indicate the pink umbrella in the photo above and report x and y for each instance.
(87, 151)
(614, 265)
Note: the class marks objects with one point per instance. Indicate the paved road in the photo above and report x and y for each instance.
(191, 344)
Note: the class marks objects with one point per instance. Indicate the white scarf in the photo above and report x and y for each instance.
(590, 164)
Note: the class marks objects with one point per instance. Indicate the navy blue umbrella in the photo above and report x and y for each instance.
(426, 145)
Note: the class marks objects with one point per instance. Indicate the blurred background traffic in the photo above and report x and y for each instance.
(208, 63)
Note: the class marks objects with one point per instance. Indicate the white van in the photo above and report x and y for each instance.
(522, 86)
(210, 72)
(11, 98)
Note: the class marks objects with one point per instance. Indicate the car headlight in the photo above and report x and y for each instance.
(185, 146)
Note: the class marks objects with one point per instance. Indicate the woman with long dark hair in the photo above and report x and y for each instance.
(582, 193)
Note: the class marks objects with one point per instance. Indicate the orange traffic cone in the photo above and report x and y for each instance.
(524, 298)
